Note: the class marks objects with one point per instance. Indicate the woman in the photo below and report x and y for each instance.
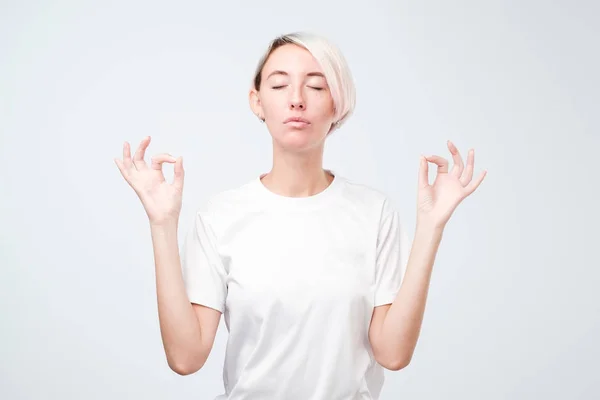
(312, 271)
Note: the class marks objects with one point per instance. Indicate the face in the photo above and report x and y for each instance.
(294, 99)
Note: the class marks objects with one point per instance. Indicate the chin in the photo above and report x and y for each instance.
(298, 139)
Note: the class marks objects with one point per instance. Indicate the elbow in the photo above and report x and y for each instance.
(183, 369)
(395, 364)
(185, 366)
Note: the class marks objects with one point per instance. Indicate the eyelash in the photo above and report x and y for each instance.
(312, 87)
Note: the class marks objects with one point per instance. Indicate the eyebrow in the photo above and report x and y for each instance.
(279, 72)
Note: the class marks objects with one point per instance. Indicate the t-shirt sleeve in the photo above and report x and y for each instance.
(203, 272)
(393, 248)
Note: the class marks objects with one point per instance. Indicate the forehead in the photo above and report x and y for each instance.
(292, 59)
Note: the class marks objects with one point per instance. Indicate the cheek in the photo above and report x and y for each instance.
(272, 104)
(324, 105)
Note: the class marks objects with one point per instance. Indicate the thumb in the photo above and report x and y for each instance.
(423, 172)
(178, 173)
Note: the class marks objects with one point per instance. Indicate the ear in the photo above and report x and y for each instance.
(255, 104)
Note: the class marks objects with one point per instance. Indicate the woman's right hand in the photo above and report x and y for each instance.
(161, 200)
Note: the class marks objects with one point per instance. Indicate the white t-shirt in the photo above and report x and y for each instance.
(297, 279)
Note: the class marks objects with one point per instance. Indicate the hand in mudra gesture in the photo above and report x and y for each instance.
(437, 202)
(161, 199)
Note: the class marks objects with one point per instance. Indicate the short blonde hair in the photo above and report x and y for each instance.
(334, 65)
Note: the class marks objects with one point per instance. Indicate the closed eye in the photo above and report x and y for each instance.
(312, 87)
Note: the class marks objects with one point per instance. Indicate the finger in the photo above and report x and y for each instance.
(458, 167)
(468, 172)
(125, 172)
(127, 162)
(471, 187)
(159, 159)
(121, 167)
(178, 174)
(138, 157)
(441, 162)
(423, 172)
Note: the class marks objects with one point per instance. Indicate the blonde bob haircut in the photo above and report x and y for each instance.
(334, 65)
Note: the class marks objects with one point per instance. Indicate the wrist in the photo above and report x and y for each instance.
(429, 228)
(164, 224)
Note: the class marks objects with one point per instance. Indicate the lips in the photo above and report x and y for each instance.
(297, 120)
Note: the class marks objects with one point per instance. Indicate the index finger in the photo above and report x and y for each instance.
(141, 150)
(459, 166)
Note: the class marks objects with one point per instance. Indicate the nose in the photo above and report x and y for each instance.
(297, 105)
(297, 100)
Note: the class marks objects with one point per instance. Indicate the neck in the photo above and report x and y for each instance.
(297, 174)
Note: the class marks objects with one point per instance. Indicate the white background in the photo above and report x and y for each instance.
(513, 310)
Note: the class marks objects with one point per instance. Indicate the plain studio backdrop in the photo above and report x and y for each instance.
(513, 310)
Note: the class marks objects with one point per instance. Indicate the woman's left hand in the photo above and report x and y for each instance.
(437, 202)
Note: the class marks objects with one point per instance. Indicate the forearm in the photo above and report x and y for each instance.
(402, 323)
(179, 325)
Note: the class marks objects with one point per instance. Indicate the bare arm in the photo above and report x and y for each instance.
(395, 328)
(187, 330)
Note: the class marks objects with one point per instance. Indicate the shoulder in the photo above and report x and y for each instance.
(226, 204)
(229, 199)
(367, 196)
